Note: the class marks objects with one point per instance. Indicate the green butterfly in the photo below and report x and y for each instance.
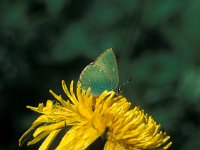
(102, 74)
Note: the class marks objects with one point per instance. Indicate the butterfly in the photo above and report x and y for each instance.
(102, 74)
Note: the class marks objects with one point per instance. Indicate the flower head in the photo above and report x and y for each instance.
(90, 117)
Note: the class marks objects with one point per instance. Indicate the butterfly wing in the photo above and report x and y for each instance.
(102, 74)
(107, 62)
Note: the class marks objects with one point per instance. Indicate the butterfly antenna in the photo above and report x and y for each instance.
(119, 89)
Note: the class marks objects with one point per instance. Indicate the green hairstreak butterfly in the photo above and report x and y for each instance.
(102, 74)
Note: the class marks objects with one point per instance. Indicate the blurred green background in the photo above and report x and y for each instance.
(157, 44)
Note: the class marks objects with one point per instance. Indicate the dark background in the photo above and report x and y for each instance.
(157, 44)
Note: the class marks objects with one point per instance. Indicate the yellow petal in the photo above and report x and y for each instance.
(45, 145)
(24, 136)
(36, 123)
(59, 98)
(78, 138)
(38, 138)
(50, 127)
(114, 145)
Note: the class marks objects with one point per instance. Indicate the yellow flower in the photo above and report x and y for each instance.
(89, 118)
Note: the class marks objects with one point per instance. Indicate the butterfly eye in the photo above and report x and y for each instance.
(119, 91)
